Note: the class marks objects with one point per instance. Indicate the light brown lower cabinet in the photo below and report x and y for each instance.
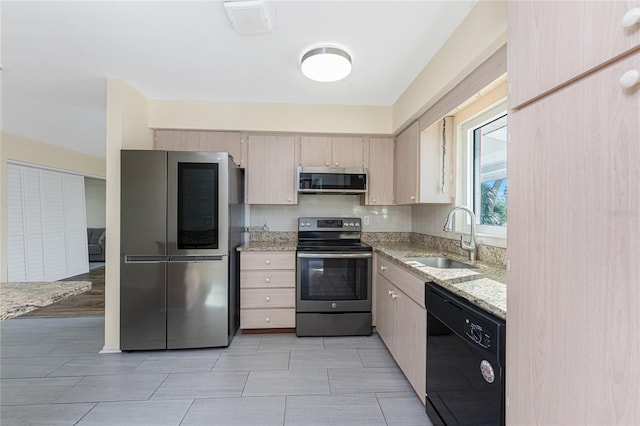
(401, 320)
(267, 290)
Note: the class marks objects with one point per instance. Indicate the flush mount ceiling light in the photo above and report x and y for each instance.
(326, 64)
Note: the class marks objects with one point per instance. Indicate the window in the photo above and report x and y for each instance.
(490, 172)
(483, 140)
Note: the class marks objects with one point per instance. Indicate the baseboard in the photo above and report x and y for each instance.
(110, 350)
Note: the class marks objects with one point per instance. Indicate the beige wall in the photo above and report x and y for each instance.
(16, 148)
(429, 218)
(127, 128)
(95, 194)
(480, 35)
(269, 117)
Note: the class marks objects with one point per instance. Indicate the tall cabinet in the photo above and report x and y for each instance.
(573, 340)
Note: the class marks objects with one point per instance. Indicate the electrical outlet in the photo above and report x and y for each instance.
(365, 220)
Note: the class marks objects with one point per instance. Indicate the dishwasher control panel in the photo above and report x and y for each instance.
(477, 333)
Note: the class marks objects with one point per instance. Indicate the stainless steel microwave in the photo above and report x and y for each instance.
(332, 180)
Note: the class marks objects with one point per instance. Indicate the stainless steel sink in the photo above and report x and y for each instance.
(441, 262)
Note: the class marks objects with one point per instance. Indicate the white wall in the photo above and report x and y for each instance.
(284, 218)
(95, 191)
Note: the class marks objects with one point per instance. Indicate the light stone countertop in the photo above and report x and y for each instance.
(484, 285)
(17, 298)
(285, 245)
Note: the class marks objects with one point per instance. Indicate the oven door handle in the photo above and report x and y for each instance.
(335, 255)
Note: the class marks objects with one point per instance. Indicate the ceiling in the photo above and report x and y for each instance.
(56, 56)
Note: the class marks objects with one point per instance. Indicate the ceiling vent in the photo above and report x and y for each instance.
(248, 16)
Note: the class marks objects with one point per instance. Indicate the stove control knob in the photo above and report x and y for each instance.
(308, 224)
(356, 224)
(334, 305)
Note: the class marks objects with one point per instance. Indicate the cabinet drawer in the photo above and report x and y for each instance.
(268, 260)
(268, 318)
(404, 280)
(268, 298)
(267, 279)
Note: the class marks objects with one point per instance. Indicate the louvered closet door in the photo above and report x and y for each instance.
(75, 225)
(53, 220)
(33, 223)
(46, 221)
(16, 238)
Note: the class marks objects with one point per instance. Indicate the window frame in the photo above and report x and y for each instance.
(465, 191)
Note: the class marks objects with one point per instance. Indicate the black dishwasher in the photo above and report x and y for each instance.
(465, 361)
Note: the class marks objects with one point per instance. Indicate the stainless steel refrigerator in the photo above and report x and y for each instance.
(181, 219)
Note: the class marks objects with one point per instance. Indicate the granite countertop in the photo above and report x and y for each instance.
(18, 298)
(283, 245)
(484, 285)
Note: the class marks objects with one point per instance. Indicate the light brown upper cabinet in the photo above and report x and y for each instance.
(424, 164)
(598, 35)
(406, 165)
(202, 140)
(271, 171)
(323, 151)
(380, 172)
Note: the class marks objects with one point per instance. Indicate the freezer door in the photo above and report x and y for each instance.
(142, 304)
(198, 200)
(197, 302)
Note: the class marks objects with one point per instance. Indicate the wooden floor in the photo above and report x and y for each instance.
(89, 303)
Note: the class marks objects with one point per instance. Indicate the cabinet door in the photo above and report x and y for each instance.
(553, 42)
(411, 345)
(577, 156)
(197, 140)
(406, 168)
(315, 151)
(385, 313)
(347, 152)
(271, 170)
(436, 162)
(381, 169)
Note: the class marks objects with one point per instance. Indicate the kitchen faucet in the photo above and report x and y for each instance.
(448, 227)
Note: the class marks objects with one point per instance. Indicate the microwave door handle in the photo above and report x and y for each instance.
(335, 255)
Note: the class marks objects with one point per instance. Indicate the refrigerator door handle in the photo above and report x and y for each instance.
(144, 259)
(216, 258)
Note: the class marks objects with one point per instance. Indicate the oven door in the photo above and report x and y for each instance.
(333, 282)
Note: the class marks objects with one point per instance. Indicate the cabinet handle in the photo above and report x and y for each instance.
(336, 164)
(630, 78)
(268, 299)
(391, 293)
(267, 280)
(267, 319)
(327, 164)
(394, 296)
(268, 262)
(373, 200)
(631, 18)
(383, 268)
(413, 198)
(289, 199)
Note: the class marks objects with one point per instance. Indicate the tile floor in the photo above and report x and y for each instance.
(51, 373)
